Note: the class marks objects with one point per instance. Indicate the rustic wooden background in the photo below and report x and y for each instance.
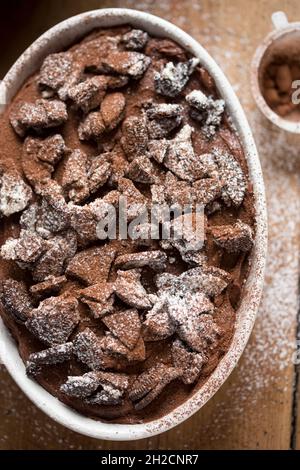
(257, 407)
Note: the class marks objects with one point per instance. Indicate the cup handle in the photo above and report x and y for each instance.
(279, 20)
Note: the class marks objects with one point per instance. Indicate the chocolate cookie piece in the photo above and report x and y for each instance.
(233, 238)
(171, 80)
(42, 114)
(48, 357)
(16, 300)
(125, 325)
(54, 320)
(92, 265)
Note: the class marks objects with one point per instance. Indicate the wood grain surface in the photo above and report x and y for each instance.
(257, 407)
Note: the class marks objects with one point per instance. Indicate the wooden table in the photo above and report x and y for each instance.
(257, 407)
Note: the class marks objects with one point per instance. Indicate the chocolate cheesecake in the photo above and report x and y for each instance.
(122, 328)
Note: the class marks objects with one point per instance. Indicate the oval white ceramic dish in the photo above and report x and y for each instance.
(57, 38)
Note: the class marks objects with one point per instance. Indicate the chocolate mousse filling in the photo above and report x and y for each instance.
(121, 329)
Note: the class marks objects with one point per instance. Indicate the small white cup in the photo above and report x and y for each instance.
(279, 39)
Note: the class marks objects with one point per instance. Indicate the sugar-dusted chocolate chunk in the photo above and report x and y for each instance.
(136, 202)
(141, 170)
(206, 190)
(128, 288)
(133, 64)
(99, 297)
(81, 386)
(16, 299)
(74, 178)
(44, 219)
(112, 110)
(51, 285)
(25, 249)
(206, 110)
(158, 325)
(182, 310)
(200, 333)
(135, 40)
(53, 321)
(88, 350)
(61, 249)
(88, 95)
(189, 362)
(171, 80)
(114, 346)
(134, 136)
(92, 127)
(157, 149)
(107, 396)
(181, 158)
(177, 192)
(43, 114)
(51, 149)
(113, 387)
(84, 219)
(98, 173)
(207, 279)
(55, 355)
(92, 265)
(156, 260)
(187, 232)
(55, 70)
(163, 118)
(85, 385)
(15, 194)
(125, 325)
(232, 176)
(119, 164)
(233, 238)
(34, 169)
